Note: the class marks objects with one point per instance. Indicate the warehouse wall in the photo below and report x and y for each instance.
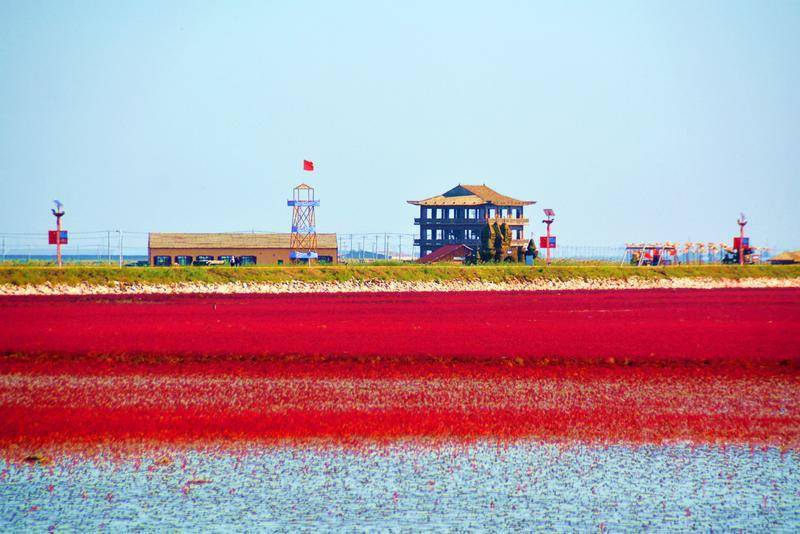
(263, 256)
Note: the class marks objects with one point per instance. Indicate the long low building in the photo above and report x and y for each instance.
(166, 249)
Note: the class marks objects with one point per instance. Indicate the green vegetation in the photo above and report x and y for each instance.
(495, 243)
(503, 272)
(486, 252)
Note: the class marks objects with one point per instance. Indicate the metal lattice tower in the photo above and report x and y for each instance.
(303, 240)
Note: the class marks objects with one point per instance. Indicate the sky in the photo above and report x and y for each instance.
(635, 121)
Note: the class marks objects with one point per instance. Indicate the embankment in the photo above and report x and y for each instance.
(23, 280)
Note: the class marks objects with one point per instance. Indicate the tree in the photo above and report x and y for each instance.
(532, 249)
(505, 231)
(486, 252)
(499, 251)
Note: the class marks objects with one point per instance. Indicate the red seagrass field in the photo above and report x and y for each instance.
(648, 366)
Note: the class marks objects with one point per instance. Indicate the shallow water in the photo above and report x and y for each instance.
(410, 486)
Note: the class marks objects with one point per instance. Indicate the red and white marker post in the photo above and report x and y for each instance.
(59, 236)
(548, 241)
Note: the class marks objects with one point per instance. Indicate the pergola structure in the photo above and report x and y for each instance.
(650, 254)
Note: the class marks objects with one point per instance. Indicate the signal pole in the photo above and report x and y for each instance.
(550, 216)
(742, 221)
(58, 212)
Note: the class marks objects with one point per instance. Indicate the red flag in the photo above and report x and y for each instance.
(308, 165)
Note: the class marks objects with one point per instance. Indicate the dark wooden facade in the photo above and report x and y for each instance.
(459, 215)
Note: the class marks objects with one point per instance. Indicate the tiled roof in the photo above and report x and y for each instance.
(441, 200)
(443, 252)
(471, 195)
(243, 240)
(788, 256)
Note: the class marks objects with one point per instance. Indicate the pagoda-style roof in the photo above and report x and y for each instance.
(471, 195)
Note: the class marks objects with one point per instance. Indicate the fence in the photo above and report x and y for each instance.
(99, 246)
(122, 246)
(363, 248)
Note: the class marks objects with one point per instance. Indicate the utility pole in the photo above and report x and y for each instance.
(120, 247)
(4, 249)
(108, 237)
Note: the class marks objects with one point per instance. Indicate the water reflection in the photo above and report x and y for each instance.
(407, 485)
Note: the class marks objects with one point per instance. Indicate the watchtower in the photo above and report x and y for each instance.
(303, 239)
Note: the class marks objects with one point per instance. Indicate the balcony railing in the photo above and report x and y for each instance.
(470, 242)
(512, 221)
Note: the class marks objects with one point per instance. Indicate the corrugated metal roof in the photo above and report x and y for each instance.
(229, 240)
(471, 195)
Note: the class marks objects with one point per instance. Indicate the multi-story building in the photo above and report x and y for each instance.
(459, 215)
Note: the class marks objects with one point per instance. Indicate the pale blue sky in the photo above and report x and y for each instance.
(634, 120)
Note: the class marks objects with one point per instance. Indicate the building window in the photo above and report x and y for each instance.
(428, 234)
(439, 234)
(183, 260)
(204, 258)
(247, 260)
(227, 259)
(162, 261)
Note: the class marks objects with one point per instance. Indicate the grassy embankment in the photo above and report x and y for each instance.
(75, 275)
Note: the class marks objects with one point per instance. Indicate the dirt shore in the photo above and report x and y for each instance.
(382, 286)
